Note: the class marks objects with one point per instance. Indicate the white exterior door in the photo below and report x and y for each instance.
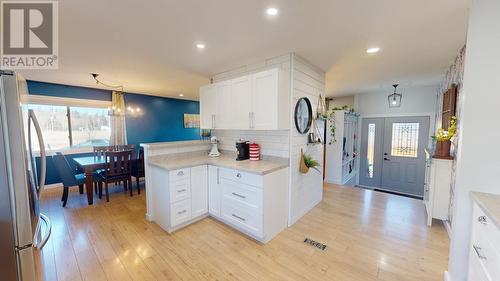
(405, 140)
(214, 192)
(241, 96)
(208, 106)
(199, 191)
(393, 154)
(265, 100)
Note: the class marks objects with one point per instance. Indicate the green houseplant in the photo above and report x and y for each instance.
(307, 162)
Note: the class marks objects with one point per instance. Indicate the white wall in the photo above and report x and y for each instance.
(415, 100)
(341, 101)
(306, 190)
(478, 163)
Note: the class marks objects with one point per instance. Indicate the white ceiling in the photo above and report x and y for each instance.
(149, 46)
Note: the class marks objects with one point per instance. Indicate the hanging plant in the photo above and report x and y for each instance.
(307, 162)
(331, 118)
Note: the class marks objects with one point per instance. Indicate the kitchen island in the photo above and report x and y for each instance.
(185, 185)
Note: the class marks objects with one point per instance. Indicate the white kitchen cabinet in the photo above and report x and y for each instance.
(224, 105)
(199, 190)
(257, 101)
(484, 251)
(254, 204)
(208, 106)
(241, 96)
(213, 191)
(437, 187)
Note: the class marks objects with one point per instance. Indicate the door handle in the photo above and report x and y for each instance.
(39, 244)
(387, 159)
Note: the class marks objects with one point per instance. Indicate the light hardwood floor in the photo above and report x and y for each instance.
(370, 236)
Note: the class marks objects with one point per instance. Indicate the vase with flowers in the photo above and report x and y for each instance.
(443, 140)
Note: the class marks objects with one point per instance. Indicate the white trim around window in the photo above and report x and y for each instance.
(71, 102)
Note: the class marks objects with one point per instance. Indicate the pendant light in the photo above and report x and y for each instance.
(394, 98)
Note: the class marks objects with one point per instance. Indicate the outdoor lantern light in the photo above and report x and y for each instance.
(394, 98)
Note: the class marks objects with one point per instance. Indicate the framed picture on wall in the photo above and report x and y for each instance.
(191, 120)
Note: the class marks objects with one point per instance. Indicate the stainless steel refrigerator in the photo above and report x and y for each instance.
(23, 229)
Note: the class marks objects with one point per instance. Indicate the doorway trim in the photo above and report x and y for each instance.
(432, 129)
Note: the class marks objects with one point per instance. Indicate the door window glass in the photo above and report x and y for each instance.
(404, 139)
(370, 152)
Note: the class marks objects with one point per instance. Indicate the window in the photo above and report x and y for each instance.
(370, 155)
(65, 127)
(404, 139)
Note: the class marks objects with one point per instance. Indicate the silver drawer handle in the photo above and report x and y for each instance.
(182, 190)
(478, 251)
(238, 175)
(181, 173)
(482, 219)
(238, 217)
(181, 212)
(239, 195)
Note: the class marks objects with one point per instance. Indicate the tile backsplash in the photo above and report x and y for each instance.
(272, 143)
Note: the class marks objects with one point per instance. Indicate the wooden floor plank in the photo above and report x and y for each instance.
(369, 236)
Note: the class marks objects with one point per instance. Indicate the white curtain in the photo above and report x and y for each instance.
(117, 113)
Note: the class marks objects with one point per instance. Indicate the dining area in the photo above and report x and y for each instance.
(107, 167)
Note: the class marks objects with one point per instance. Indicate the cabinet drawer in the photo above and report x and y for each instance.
(476, 269)
(180, 174)
(484, 250)
(241, 177)
(180, 212)
(180, 190)
(241, 216)
(246, 194)
(481, 221)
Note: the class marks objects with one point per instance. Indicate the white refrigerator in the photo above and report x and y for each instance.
(23, 229)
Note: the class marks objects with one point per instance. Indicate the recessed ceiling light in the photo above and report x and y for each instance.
(181, 95)
(372, 50)
(272, 11)
(200, 46)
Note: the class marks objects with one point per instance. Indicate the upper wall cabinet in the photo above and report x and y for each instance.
(258, 101)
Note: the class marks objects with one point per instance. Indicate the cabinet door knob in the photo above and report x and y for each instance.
(181, 173)
(482, 219)
(238, 175)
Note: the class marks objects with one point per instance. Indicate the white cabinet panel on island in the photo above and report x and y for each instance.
(255, 204)
(214, 191)
(199, 190)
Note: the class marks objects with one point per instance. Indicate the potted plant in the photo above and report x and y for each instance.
(443, 140)
(307, 162)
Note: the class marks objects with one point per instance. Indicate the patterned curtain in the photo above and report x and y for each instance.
(117, 113)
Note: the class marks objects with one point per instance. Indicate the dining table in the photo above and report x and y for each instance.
(89, 164)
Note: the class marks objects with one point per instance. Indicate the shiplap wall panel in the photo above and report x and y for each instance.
(306, 190)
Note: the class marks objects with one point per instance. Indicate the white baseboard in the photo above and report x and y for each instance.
(54, 185)
(447, 276)
(149, 217)
(447, 226)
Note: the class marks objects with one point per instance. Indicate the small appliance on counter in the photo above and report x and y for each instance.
(214, 151)
(243, 150)
(254, 152)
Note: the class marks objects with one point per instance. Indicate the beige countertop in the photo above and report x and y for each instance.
(490, 204)
(184, 160)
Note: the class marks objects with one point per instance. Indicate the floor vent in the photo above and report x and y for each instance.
(316, 244)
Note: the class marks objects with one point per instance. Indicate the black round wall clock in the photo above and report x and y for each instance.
(303, 115)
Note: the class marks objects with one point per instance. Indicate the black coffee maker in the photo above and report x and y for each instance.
(243, 150)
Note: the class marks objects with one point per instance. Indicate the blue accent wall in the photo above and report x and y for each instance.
(161, 119)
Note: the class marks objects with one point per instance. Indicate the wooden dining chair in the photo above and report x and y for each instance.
(123, 147)
(67, 175)
(99, 151)
(117, 168)
(138, 168)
